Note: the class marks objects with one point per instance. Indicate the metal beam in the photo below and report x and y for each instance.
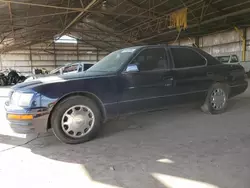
(165, 14)
(38, 16)
(76, 18)
(127, 10)
(98, 39)
(94, 45)
(140, 7)
(11, 20)
(73, 9)
(247, 10)
(110, 33)
(46, 27)
(66, 16)
(152, 8)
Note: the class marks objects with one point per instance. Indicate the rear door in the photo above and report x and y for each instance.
(192, 77)
(148, 88)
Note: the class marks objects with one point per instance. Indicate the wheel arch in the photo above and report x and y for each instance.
(85, 94)
(224, 83)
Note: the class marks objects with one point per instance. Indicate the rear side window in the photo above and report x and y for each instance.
(151, 59)
(210, 59)
(185, 57)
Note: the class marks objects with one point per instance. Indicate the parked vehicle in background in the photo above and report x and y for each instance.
(40, 71)
(3, 79)
(15, 77)
(66, 69)
(235, 59)
(10, 77)
(126, 81)
(72, 68)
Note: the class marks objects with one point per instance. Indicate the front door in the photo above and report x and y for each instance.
(149, 87)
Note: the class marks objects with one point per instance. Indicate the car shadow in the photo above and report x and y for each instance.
(147, 149)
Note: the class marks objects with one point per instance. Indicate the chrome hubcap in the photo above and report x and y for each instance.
(218, 99)
(77, 121)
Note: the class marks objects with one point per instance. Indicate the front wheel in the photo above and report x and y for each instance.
(216, 100)
(75, 120)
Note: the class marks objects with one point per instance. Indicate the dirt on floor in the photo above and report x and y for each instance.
(176, 148)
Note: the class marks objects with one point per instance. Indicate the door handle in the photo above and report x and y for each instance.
(210, 74)
(170, 78)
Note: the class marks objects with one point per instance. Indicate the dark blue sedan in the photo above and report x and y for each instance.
(126, 81)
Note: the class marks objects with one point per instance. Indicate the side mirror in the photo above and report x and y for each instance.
(132, 68)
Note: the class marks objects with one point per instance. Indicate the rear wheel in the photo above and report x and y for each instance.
(75, 120)
(216, 100)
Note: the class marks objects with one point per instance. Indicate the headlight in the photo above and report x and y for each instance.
(21, 99)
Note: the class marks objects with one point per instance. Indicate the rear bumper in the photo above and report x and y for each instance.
(39, 123)
(238, 89)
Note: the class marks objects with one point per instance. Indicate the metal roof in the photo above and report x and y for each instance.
(112, 24)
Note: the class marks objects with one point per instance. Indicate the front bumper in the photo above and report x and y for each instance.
(39, 122)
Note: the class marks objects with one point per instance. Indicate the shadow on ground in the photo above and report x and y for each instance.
(160, 149)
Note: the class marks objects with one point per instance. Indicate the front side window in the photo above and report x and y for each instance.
(186, 57)
(151, 59)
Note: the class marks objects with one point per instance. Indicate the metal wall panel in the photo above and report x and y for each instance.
(42, 56)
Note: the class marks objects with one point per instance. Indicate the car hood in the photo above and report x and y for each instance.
(60, 78)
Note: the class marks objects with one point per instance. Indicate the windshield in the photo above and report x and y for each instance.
(114, 60)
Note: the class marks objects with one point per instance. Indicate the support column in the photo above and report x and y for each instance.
(77, 50)
(197, 42)
(243, 39)
(1, 64)
(31, 64)
(54, 54)
(97, 54)
(244, 46)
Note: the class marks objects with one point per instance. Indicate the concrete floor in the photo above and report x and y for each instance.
(177, 148)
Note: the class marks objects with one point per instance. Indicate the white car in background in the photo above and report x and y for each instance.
(66, 69)
(235, 59)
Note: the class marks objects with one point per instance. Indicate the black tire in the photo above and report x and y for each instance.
(5, 80)
(21, 79)
(207, 107)
(2, 83)
(248, 74)
(62, 107)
